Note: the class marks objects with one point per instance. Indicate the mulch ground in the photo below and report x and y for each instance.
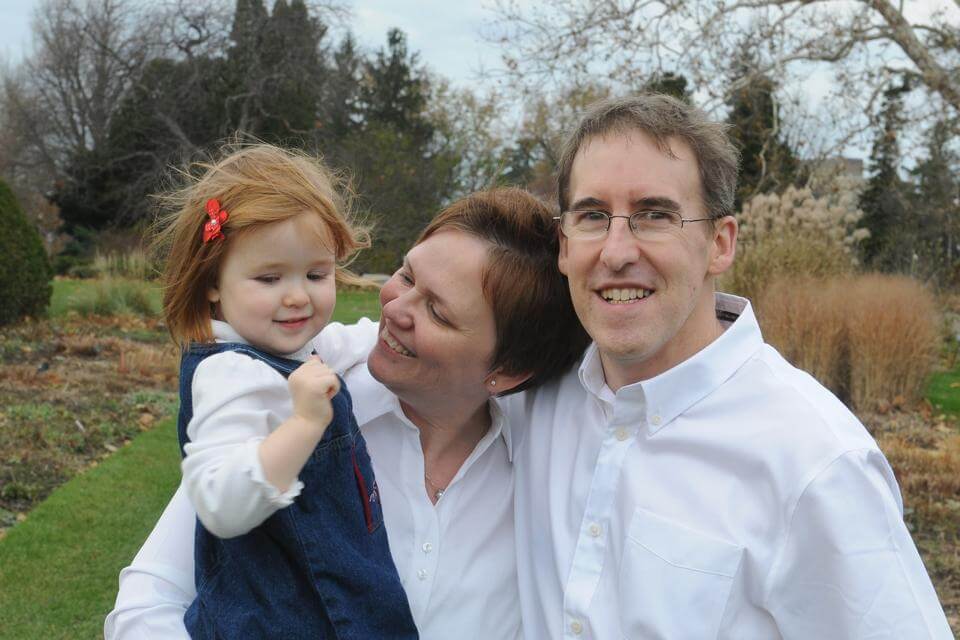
(72, 391)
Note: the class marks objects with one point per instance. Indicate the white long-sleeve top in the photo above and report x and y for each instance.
(730, 497)
(456, 559)
(237, 402)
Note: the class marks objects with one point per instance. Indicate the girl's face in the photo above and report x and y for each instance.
(276, 285)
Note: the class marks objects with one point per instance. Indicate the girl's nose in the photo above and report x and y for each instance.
(295, 296)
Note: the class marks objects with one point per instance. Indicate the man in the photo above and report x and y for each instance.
(685, 482)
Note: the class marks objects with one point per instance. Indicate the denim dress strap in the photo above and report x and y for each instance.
(318, 568)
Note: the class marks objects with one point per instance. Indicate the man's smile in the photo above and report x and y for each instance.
(624, 295)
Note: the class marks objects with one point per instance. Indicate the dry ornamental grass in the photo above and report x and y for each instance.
(871, 339)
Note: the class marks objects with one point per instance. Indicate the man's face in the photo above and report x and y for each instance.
(647, 303)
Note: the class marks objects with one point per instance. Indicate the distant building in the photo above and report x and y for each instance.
(851, 168)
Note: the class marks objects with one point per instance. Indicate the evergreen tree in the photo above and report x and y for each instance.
(295, 72)
(342, 98)
(395, 90)
(670, 83)
(403, 179)
(883, 201)
(24, 269)
(767, 161)
(245, 69)
(937, 203)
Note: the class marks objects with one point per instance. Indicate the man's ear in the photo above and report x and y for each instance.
(498, 382)
(724, 246)
(562, 257)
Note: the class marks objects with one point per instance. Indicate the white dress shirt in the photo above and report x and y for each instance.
(729, 497)
(456, 559)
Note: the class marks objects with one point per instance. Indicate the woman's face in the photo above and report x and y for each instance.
(437, 332)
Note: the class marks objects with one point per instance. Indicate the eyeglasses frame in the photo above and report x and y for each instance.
(610, 218)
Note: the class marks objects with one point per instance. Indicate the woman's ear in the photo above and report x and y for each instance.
(498, 383)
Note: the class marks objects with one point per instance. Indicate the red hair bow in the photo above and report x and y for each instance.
(213, 229)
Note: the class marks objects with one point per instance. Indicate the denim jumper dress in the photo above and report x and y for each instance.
(318, 568)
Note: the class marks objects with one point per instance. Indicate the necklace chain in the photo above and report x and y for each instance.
(438, 491)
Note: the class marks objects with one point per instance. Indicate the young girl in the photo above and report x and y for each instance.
(289, 542)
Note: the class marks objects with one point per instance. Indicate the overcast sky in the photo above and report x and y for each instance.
(445, 33)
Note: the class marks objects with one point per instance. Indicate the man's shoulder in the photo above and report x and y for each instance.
(768, 388)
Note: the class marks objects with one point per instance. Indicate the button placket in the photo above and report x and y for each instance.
(589, 555)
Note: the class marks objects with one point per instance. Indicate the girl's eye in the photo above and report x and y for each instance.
(267, 279)
(405, 277)
(317, 275)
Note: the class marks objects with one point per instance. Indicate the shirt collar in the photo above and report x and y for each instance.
(223, 332)
(664, 397)
(379, 400)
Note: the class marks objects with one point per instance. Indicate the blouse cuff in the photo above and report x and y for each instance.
(270, 493)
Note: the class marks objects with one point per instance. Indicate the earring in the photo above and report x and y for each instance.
(493, 383)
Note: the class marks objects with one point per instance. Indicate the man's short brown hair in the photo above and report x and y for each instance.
(661, 117)
(537, 330)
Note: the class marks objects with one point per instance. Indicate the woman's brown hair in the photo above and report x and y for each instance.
(537, 329)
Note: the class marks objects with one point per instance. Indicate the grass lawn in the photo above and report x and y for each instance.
(81, 296)
(72, 387)
(943, 391)
(353, 304)
(59, 567)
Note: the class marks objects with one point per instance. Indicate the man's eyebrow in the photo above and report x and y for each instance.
(660, 203)
(587, 203)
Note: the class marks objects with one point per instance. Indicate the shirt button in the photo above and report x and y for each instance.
(427, 547)
(595, 530)
(422, 574)
(622, 434)
(655, 420)
(576, 627)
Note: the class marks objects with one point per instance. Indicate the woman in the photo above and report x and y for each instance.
(478, 309)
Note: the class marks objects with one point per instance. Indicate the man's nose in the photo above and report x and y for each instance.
(620, 247)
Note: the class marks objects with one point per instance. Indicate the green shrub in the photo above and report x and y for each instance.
(25, 272)
(83, 271)
(76, 254)
(133, 263)
(115, 296)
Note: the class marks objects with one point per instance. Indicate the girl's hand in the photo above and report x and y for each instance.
(312, 386)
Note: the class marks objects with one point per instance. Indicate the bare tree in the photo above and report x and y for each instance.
(86, 56)
(861, 43)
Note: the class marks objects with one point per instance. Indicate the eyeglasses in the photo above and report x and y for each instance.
(592, 225)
